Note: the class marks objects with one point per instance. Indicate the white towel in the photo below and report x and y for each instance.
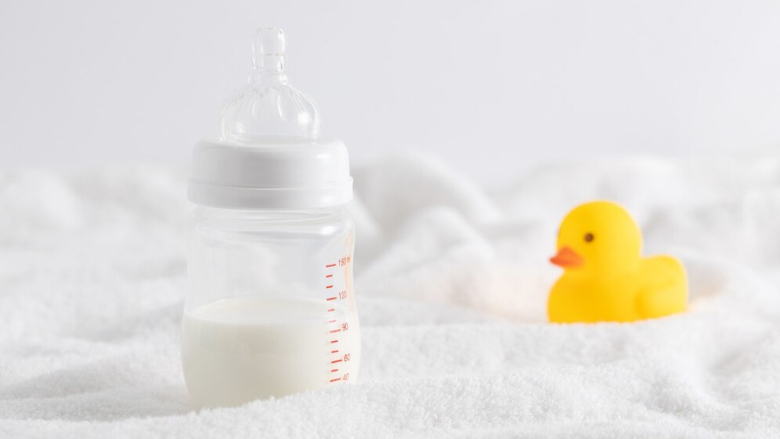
(451, 283)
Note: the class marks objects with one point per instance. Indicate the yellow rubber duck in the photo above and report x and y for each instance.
(605, 278)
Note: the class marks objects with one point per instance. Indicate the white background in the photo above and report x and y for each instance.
(494, 87)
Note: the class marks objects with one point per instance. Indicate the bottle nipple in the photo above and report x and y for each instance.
(267, 109)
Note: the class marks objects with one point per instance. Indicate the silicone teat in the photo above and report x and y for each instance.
(268, 110)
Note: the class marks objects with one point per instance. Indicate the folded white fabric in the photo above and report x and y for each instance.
(451, 281)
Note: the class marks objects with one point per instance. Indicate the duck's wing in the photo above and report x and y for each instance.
(664, 287)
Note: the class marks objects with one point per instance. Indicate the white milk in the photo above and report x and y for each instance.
(238, 350)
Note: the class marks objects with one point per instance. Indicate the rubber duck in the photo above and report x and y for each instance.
(605, 277)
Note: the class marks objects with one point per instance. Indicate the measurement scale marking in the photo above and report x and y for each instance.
(334, 351)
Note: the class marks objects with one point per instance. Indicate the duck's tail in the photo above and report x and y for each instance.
(667, 289)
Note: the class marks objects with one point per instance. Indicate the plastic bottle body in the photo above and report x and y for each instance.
(270, 309)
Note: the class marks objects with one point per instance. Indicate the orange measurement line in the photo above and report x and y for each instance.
(336, 361)
(335, 379)
(330, 265)
(331, 298)
(334, 341)
(335, 330)
(332, 321)
(329, 287)
(332, 309)
(329, 275)
(334, 352)
(334, 370)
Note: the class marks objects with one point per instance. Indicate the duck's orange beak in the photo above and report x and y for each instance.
(567, 258)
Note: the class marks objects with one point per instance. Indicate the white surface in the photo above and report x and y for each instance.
(238, 350)
(92, 282)
(524, 82)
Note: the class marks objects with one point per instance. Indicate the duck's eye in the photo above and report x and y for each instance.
(589, 237)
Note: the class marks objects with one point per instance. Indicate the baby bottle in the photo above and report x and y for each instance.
(270, 309)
